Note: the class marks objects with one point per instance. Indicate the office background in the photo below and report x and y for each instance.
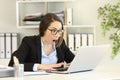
(84, 13)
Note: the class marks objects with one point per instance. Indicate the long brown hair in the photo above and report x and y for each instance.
(45, 23)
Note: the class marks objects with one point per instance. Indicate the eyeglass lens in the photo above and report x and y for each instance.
(55, 31)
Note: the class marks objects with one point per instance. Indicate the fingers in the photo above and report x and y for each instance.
(49, 66)
(57, 65)
(68, 64)
(60, 64)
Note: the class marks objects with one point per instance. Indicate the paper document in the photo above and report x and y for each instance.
(115, 78)
(6, 71)
(35, 73)
(3, 67)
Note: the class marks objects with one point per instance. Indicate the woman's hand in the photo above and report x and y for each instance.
(68, 64)
(49, 66)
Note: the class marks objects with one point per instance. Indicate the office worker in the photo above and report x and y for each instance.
(45, 51)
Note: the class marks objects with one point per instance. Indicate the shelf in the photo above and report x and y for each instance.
(44, 0)
(36, 8)
(80, 35)
(31, 27)
(80, 28)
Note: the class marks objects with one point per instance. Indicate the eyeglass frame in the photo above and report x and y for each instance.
(55, 31)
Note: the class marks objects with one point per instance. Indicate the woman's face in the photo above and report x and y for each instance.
(54, 31)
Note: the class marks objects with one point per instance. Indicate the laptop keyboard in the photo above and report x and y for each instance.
(62, 69)
(58, 69)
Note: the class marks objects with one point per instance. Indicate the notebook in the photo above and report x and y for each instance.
(86, 59)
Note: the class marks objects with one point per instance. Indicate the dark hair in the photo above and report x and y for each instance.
(45, 23)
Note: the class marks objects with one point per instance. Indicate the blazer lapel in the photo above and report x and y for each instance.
(60, 56)
(39, 49)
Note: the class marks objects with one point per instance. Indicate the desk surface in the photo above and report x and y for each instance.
(106, 72)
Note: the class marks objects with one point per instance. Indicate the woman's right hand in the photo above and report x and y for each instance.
(49, 66)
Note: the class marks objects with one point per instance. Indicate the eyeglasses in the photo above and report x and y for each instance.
(55, 31)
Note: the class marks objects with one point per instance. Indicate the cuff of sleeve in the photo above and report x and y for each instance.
(35, 67)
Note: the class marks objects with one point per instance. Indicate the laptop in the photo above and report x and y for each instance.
(86, 59)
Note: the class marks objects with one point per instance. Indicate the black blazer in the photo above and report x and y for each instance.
(29, 52)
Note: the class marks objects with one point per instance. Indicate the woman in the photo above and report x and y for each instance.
(47, 50)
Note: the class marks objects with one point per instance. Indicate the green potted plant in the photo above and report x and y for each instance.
(110, 19)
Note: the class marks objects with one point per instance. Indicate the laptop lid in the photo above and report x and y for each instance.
(86, 59)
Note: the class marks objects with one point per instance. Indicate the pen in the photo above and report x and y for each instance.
(15, 59)
(64, 64)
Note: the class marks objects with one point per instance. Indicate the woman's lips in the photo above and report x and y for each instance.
(54, 40)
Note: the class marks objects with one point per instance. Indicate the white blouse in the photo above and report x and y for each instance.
(50, 59)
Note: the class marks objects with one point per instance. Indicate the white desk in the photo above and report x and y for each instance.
(106, 72)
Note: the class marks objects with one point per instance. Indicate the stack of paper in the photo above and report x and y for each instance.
(6, 71)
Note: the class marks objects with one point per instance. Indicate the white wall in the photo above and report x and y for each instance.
(84, 12)
(8, 19)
